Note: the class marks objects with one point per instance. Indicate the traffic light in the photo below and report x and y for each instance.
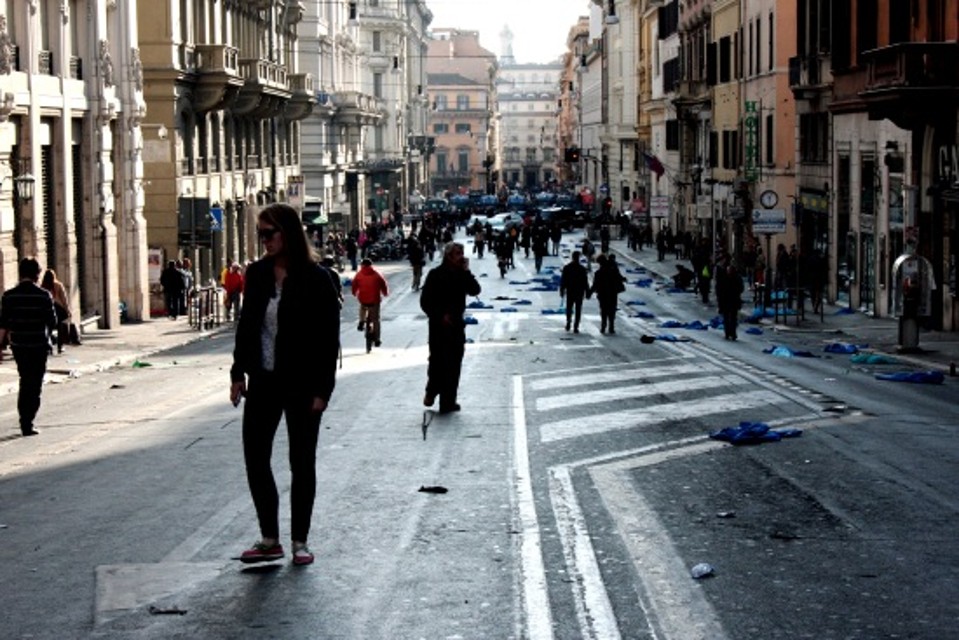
(572, 155)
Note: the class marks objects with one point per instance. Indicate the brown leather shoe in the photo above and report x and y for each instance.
(429, 399)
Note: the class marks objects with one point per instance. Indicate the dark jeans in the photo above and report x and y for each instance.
(173, 304)
(574, 310)
(31, 365)
(268, 397)
(447, 347)
(607, 315)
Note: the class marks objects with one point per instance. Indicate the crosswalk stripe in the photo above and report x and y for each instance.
(613, 394)
(618, 375)
(645, 416)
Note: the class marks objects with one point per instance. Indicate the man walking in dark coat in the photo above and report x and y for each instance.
(574, 284)
(443, 299)
(28, 317)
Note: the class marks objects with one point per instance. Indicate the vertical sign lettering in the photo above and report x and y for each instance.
(752, 143)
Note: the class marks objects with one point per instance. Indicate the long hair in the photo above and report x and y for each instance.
(49, 277)
(299, 251)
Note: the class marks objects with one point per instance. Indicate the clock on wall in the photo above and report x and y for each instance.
(768, 198)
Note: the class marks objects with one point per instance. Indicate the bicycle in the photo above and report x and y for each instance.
(370, 327)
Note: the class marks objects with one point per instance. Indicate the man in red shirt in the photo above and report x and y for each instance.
(368, 287)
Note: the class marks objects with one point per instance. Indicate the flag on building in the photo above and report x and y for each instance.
(654, 165)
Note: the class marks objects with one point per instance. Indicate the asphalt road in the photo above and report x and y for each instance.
(582, 488)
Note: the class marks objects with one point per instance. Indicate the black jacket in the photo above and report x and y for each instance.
(445, 291)
(308, 333)
(574, 280)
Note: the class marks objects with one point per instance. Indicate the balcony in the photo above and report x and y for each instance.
(353, 107)
(911, 82)
(265, 88)
(302, 101)
(806, 76)
(218, 76)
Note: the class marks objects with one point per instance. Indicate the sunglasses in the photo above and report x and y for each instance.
(266, 233)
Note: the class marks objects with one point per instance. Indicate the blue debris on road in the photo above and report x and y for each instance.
(753, 433)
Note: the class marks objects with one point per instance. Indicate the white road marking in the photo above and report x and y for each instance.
(617, 375)
(645, 416)
(627, 392)
(593, 609)
(677, 603)
(535, 591)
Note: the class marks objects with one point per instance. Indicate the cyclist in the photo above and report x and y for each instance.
(369, 287)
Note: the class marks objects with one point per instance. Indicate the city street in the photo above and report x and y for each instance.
(581, 488)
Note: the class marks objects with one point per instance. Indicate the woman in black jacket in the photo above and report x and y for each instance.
(284, 362)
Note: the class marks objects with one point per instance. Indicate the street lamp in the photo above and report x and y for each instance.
(712, 213)
(24, 186)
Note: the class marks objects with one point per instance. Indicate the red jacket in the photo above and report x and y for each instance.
(233, 282)
(369, 286)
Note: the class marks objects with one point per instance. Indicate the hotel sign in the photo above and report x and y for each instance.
(751, 128)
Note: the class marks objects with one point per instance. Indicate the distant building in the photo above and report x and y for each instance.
(462, 112)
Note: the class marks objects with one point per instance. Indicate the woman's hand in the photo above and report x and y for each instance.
(319, 405)
(237, 391)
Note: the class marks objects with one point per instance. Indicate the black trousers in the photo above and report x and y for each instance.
(31, 365)
(574, 309)
(607, 314)
(447, 347)
(268, 398)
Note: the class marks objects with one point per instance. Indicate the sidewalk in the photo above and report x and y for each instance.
(107, 348)
(938, 350)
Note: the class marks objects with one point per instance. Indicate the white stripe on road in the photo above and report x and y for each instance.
(593, 610)
(675, 602)
(645, 416)
(614, 394)
(617, 375)
(535, 591)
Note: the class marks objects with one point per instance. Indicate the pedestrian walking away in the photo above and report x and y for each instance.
(28, 318)
(417, 258)
(171, 279)
(369, 287)
(61, 304)
(607, 285)
(574, 284)
(443, 300)
(729, 298)
(233, 289)
(284, 364)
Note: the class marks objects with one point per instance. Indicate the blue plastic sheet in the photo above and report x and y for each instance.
(508, 310)
(786, 352)
(917, 377)
(479, 304)
(753, 433)
(841, 347)
(470, 320)
(872, 358)
(754, 331)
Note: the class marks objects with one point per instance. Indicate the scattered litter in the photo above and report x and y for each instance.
(519, 281)
(479, 304)
(470, 320)
(508, 310)
(668, 337)
(645, 339)
(118, 386)
(643, 283)
(636, 302)
(523, 302)
(786, 352)
(432, 489)
(160, 611)
(872, 358)
(918, 377)
(841, 347)
(783, 535)
(644, 314)
(755, 331)
(504, 298)
(4, 526)
(702, 570)
(753, 433)
(557, 311)
(137, 364)
(844, 311)
(726, 514)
